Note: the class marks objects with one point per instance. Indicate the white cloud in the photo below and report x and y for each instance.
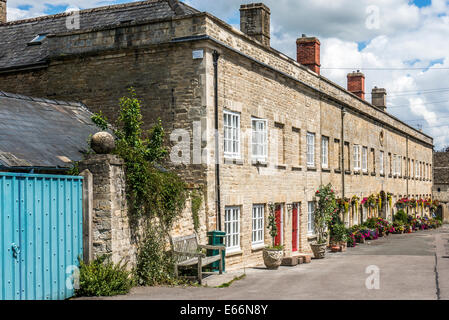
(407, 36)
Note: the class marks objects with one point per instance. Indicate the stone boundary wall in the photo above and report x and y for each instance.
(106, 223)
(110, 230)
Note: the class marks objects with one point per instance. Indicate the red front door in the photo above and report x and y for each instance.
(295, 228)
(278, 217)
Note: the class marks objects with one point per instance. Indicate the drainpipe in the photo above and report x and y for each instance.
(342, 146)
(216, 56)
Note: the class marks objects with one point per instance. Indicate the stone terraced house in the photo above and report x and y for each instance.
(283, 129)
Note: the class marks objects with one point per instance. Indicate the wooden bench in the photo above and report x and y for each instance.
(187, 253)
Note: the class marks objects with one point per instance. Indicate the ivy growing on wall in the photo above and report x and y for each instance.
(156, 196)
(197, 199)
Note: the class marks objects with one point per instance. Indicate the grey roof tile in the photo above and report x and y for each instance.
(15, 35)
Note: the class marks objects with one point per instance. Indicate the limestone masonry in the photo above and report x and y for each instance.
(283, 128)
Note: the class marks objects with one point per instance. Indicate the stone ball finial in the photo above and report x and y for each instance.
(102, 142)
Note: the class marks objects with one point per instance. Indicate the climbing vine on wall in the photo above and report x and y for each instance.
(156, 196)
(197, 199)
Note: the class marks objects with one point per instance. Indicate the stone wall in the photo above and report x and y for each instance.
(440, 190)
(111, 231)
(98, 66)
(255, 92)
(3, 11)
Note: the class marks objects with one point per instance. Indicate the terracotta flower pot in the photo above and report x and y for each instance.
(272, 258)
(335, 248)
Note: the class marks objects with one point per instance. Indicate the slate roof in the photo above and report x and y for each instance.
(42, 133)
(15, 35)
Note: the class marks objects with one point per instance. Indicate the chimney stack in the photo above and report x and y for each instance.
(255, 21)
(308, 52)
(3, 11)
(379, 98)
(356, 84)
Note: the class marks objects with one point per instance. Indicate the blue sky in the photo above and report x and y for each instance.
(407, 34)
(53, 9)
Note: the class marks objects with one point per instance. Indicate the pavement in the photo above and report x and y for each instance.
(406, 267)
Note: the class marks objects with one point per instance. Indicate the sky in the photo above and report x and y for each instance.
(400, 45)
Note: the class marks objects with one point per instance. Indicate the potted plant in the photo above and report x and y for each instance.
(339, 238)
(326, 207)
(272, 255)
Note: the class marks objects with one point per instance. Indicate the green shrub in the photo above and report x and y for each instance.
(339, 233)
(154, 265)
(401, 216)
(102, 277)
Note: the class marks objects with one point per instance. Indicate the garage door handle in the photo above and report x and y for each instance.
(15, 250)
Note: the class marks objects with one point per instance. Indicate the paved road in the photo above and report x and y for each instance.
(411, 266)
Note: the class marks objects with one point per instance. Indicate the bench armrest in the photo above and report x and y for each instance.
(189, 254)
(210, 247)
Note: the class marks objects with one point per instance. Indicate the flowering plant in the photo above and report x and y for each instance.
(324, 211)
(390, 198)
(402, 203)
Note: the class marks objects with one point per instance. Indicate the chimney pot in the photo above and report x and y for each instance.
(356, 84)
(3, 18)
(379, 98)
(308, 52)
(255, 21)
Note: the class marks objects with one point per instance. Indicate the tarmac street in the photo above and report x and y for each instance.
(407, 266)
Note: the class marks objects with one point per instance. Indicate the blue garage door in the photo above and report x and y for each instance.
(40, 235)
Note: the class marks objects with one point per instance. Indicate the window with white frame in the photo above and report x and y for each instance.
(395, 165)
(310, 149)
(232, 228)
(324, 152)
(231, 134)
(259, 139)
(412, 172)
(310, 216)
(381, 162)
(417, 169)
(258, 224)
(399, 165)
(356, 157)
(365, 159)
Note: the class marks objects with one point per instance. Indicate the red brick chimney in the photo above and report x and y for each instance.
(3, 11)
(356, 84)
(308, 52)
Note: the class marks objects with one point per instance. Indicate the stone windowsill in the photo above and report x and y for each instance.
(311, 169)
(326, 170)
(373, 174)
(234, 253)
(347, 171)
(296, 168)
(259, 163)
(257, 247)
(390, 176)
(281, 166)
(357, 172)
(365, 173)
(382, 175)
(337, 170)
(228, 160)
